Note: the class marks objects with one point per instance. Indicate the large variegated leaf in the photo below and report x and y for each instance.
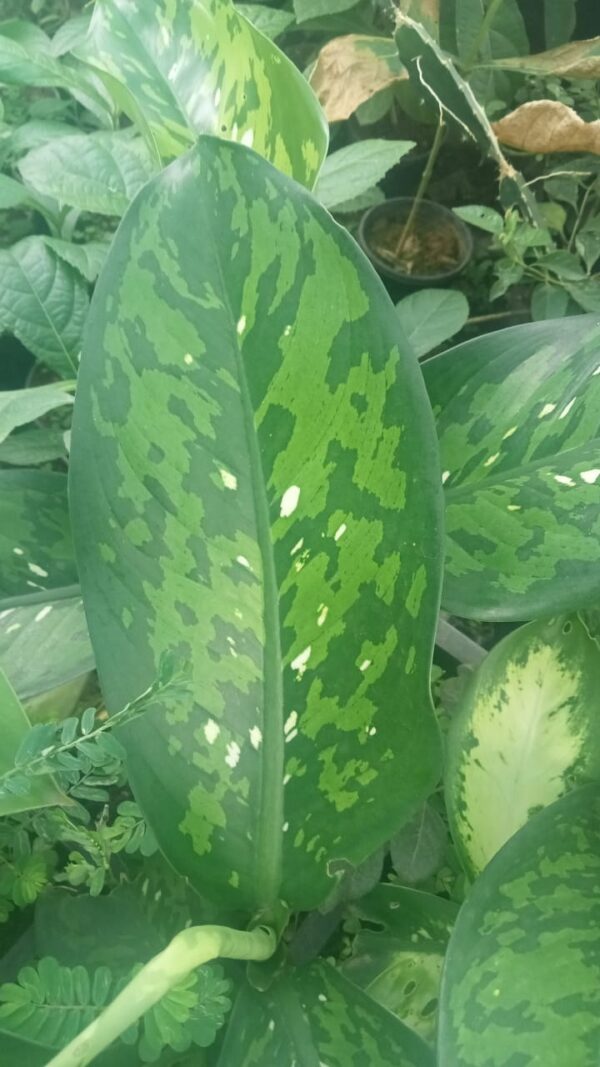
(199, 66)
(254, 486)
(520, 983)
(526, 731)
(518, 421)
(44, 645)
(316, 1017)
(397, 956)
(36, 552)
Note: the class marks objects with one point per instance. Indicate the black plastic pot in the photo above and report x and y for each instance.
(429, 215)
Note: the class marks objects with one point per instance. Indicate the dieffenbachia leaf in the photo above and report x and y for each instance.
(432, 69)
(44, 303)
(27, 448)
(35, 540)
(44, 645)
(36, 792)
(397, 957)
(20, 406)
(525, 732)
(520, 983)
(99, 172)
(200, 67)
(518, 415)
(315, 1016)
(259, 497)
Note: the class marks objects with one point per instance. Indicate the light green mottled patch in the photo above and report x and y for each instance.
(525, 733)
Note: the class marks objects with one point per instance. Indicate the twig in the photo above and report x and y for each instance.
(425, 178)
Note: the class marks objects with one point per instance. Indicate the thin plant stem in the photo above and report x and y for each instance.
(497, 315)
(43, 596)
(188, 950)
(458, 645)
(423, 185)
(580, 215)
(484, 29)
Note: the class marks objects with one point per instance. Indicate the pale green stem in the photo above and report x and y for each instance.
(484, 29)
(187, 951)
(423, 186)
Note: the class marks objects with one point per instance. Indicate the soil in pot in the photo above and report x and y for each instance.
(431, 248)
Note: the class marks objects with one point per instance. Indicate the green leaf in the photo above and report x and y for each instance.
(315, 1017)
(30, 447)
(12, 193)
(43, 302)
(88, 259)
(548, 302)
(579, 59)
(418, 848)
(520, 982)
(431, 316)
(35, 539)
(26, 59)
(525, 733)
(42, 790)
(586, 293)
(430, 68)
(397, 957)
(559, 21)
(70, 34)
(19, 406)
(305, 10)
(248, 493)
(99, 172)
(564, 264)
(37, 132)
(518, 415)
(248, 90)
(44, 645)
(351, 171)
(484, 218)
(271, 21)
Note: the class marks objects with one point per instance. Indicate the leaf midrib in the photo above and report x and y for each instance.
(267, 854)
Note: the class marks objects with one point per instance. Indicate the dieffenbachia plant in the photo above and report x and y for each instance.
(261, 498)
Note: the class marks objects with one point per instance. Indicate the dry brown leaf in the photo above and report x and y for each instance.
(350, 70)
(579, 59)
(547, 126)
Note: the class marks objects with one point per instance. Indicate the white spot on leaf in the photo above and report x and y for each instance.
(290, 722)
(323, 613)
(255, 736)
(18, 551)
(509, 433)
(491, 459)
(590, 476)
(43, 613)
(35, 569)
(563, 479)
(241, 326)
(565, 411)
(211, 731)
(244, 562)
(297, 547)
(365, 664)
(229, 480)
(341, 530)
(445, 476)
(188, 358)
(289, 501)
(299, 663)
(546, 410)
(13, 626)
(233, 754)
(247, 138)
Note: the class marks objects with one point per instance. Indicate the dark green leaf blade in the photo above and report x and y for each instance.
(36, 550)
(315, 1016)
(44, 645)
(244, 495)
(203, 68)
(520, 983)
(518, 416)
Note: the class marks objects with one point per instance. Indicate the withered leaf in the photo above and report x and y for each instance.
(351, 69)
(548, 126)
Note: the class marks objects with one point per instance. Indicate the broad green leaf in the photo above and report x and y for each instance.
(518, 416)
(26, 59)
(30, 447)
(520, 984)
(431, 316)
(559, 21)
(199, 66)
(44, 645)
(506, 36)
(397, 957)
(305, 10)
(19, 406)
(44, 303)
(315, 1016)
(12, 193)
(88, 259)
(35, 539)
(579, 59)
(99, 172)
(70, 34)
(430, 68)
(484, 218)
(526, 732)
(351, 171)
(417, 849)
(586, 294)
(548, 302)
(260, 497)
(271, 21)
(41, 791)
(37, 132)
